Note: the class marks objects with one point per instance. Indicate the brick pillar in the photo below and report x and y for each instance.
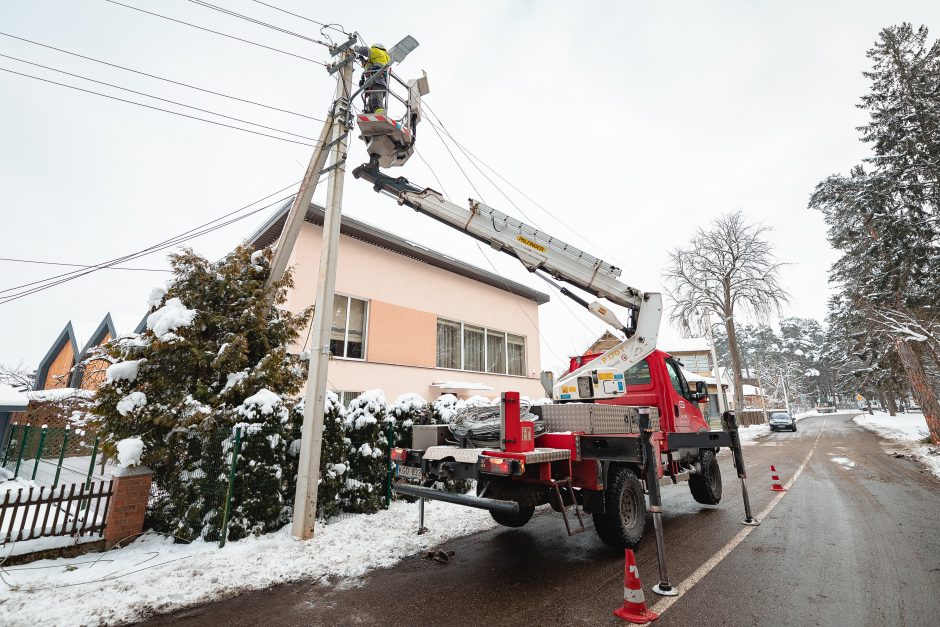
(131, 489)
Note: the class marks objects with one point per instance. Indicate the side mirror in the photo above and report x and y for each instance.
(701, 392)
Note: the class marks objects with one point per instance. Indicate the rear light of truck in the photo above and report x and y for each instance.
(399, 455)
(501, 466)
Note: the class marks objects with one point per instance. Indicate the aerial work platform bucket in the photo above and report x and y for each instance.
(389, 142)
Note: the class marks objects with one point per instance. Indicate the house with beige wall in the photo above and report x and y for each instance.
(410, 319)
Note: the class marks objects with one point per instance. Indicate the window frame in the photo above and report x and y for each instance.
(365, 326)
(486, 330)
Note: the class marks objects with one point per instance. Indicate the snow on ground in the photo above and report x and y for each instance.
(155, 575)
(908, 430)
(748, 434)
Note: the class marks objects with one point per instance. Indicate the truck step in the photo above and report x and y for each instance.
(564, 506)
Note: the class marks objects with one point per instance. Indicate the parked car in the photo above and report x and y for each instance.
(781, 420)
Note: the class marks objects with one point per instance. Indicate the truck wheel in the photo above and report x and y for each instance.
(514, 520)
(706, 485)
(622, 523)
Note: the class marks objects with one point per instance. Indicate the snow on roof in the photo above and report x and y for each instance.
(83, 330)
(58, 394)
(460, 385)
(750, 390)
(12, 399)
(687, 345)
(125, 322)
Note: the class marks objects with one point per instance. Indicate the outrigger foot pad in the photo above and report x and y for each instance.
(665, 590)
(751, 523)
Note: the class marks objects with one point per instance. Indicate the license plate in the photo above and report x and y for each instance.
(410, 472)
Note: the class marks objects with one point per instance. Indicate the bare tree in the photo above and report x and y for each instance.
(17, 376)
(727, 269)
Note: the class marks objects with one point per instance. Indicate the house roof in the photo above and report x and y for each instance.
(687, 345)
(12, 399)
(271, 230)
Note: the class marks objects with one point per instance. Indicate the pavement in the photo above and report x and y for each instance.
(852, 542)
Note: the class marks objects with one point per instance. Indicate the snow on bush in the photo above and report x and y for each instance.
(367, 424)
(172, 316)
(123, 371)
(234, 379)
(264, 402)
(131, 402)
(129, 452)
(156, 296)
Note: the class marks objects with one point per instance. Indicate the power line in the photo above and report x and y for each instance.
(567, 226)
(192, 233)
(215, 32)
(140, 93)
(335, 27)
(161, 78)
(78, 265)
(258, 22)
(141, 104)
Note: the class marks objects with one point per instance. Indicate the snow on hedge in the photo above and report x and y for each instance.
(264, 402)
(131, 402)
(129, 452)
(172, 316)
(123, 371)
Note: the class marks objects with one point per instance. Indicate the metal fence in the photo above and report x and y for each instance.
(50, 456)
(36, 512)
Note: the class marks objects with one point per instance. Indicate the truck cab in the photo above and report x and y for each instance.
(658, 381)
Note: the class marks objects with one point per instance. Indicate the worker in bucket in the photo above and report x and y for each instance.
(374, 58)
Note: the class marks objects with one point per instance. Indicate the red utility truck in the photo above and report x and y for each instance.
(620, 423)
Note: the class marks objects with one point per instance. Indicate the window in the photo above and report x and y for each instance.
(462, 346)
(495, 352)
(448, 344)
(695, 363)
(347, 332)
(474, 352)
(345, 398)
(638, 374)
(678, 381)
(515, 354)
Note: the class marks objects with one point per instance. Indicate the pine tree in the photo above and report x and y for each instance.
(213, 340)
(884, 216)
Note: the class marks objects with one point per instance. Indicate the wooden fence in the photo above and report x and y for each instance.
(75, 510)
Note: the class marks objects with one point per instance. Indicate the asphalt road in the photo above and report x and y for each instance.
(853, 542)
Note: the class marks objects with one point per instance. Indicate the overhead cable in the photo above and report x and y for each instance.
(161, 78)
(215, 32)
(147, 106)
(140, 93)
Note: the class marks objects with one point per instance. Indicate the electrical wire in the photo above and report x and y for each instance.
(479, 425)
(562, 223)
(77, 265)
(335, 27)
(192, 233)
(147, 106)
(140, 93)
(257, 21)
(161, 78)
(215, 32)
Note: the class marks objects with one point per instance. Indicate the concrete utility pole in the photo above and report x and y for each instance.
(311, 438)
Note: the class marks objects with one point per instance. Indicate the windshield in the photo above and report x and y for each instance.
(779, 416)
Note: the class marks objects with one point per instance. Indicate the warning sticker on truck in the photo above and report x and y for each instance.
(530, 243)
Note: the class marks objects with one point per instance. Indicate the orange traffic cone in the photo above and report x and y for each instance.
(634, 603)
(776, 487)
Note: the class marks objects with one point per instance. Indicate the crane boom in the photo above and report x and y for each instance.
(602, 378)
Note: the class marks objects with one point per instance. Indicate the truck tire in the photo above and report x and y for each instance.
(622, 523)
(514, 520)
(706, 485)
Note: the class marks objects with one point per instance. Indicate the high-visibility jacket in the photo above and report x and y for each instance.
(378, 56)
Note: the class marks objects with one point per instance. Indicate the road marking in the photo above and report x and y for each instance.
(722, 553)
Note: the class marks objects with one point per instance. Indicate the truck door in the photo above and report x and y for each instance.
(680, 397)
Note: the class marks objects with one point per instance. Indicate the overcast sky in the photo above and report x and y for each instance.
(631, 123)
